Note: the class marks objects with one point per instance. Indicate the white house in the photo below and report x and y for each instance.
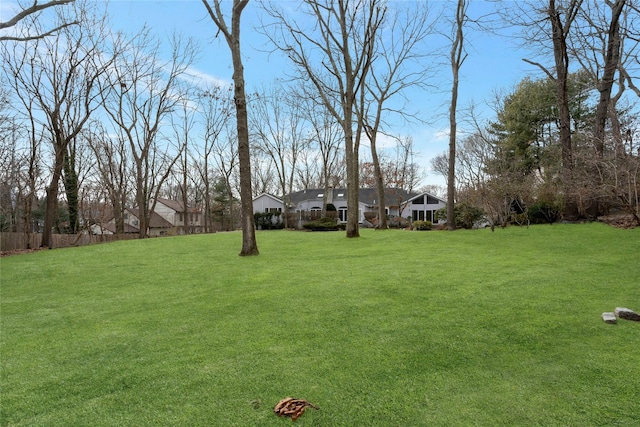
(267, 203)
(413, 206)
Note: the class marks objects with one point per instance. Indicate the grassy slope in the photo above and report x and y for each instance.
(394, 328)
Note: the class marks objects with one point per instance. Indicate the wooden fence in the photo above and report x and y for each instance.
(20, 241)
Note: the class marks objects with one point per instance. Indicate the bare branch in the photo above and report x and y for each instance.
(33, 9)
(542, 67)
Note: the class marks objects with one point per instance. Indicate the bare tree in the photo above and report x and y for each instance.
(322, 159)
(216, 111)
(605, 85)
(56, 78)
(225, 157)
(335, 55)
(279, 126)
(183, 124)
(555, 21)
(232, 37)
(112, 161)
(30, 13)
(405, 172)
(140, 91)
(390, 77)
(457, 57)
(263, 174)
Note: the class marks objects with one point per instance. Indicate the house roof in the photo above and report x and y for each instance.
(428, 195)
(111, 227)
(173, 204)
(155, 220)
(271, 196)
(368, 196)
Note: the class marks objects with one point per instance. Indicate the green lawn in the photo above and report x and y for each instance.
(395, 328)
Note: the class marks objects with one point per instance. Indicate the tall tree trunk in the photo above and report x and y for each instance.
(457, 58)
(561, 57)
(50, 212)
(185, 200)
(377, 171)
(351, 158)
(70, 178)
(605, 84)
(142, 202)
(249, 244)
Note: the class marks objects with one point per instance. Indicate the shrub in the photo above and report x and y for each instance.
(323, 224)
(421, 225)
(397, 222)
(544, 212)
(466, 215)
(268, 220)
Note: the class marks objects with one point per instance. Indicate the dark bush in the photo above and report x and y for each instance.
(544, 212)
(323, 224)
(268, 220)
(466, 215)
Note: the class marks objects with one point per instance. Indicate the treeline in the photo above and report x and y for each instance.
(565, 145)
(513, 166)
(93, 121)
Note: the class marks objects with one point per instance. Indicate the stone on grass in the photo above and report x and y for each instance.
(625, 313)
(609, 317)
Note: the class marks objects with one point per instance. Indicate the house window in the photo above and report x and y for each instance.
(126, 216)
(340, 194)
(342, 214)
(418, 200)
(273, 210)
(320, 196)
(430, 216)
(432, 200)
(417, 215)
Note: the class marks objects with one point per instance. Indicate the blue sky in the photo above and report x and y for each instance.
(494, 63)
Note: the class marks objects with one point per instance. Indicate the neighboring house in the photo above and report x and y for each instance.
(175, 213)
(110, 228)
(413, 206)
(267, 203)
(423, 207)
(168, 218)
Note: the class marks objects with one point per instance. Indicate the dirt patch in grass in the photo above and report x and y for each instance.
(18, 252)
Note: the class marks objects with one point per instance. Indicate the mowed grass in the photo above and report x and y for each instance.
(395, 328)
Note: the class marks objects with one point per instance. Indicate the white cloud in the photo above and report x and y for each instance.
(198, 77)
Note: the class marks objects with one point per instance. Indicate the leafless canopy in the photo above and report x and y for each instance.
(32, 10)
